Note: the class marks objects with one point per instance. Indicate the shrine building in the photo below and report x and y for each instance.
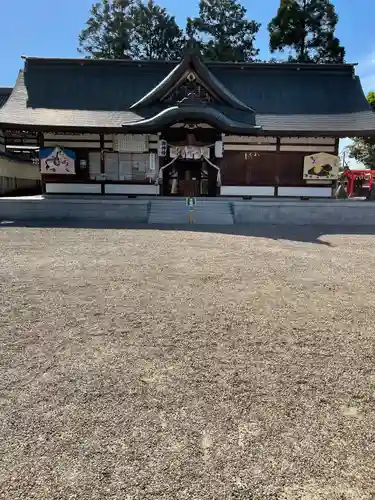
(188, 128)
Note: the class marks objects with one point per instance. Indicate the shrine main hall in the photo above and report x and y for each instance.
(184, 128)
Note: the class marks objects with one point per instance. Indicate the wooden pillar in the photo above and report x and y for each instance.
(219, 161)
(102, 162)
(40, 142)
(162, 162)
(277, 175)
(337, 145)
(5, 140)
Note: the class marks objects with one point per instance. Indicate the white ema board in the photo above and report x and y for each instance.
(57, 161)
(321, 166)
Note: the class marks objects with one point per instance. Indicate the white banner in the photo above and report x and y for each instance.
(189, 152)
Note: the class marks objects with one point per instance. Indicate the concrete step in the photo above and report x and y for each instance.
(175, 211)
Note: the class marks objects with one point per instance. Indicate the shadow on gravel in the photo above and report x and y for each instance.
(305, 234)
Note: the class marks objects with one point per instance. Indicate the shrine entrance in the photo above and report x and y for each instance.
(188, 170)
(190, 178)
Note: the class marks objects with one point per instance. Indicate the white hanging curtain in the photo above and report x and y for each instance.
(218, 179)
(166, 166)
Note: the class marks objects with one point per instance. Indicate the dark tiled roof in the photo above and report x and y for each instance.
(287, 98)
(4, 95)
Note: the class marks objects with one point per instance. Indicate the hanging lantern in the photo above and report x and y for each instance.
(163, 148)
(219, 149)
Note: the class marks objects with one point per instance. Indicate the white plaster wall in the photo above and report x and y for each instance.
(138, 189)
(72, 188)
(311, 192)
(247, 191)
(20, 170)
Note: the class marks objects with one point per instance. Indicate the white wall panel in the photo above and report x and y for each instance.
(72, 145)
(74, 137)
(139, 189)
(317, 182)
(235, 139)
(247, 191)
(319, 148)
(311, 192)
(249, 147)
(308, 140)
(72, 188)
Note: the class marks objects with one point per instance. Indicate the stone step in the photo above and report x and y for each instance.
(185, 211)
(176, 212)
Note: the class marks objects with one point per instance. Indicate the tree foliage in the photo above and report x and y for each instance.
(223, 31)
(307, 29)
(363, 148)
(156, 34)
(120, 29)
(107, 32)
(371, 99)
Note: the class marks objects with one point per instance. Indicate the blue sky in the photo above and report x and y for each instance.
(49, 28)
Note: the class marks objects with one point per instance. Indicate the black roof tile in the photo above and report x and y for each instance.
(4, 95)
(287, 98)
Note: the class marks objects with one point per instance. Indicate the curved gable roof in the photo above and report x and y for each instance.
(191, 62)
(221, 118)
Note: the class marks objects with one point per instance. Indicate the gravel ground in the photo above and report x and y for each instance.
(162, 364)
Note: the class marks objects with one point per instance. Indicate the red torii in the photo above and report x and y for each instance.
(352, 175)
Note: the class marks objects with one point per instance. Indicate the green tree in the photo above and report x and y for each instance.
(108, 30)
(156, 35)
(363, 148)
(371, 100)
(120, 29)
(223, 32)
(307, 29)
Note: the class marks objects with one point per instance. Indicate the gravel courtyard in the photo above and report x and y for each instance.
(146, 364)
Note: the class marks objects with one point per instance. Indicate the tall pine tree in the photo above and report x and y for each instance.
(223, 31)
(307, 29)
(120, 29)
(108, 31)
(156, 34)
